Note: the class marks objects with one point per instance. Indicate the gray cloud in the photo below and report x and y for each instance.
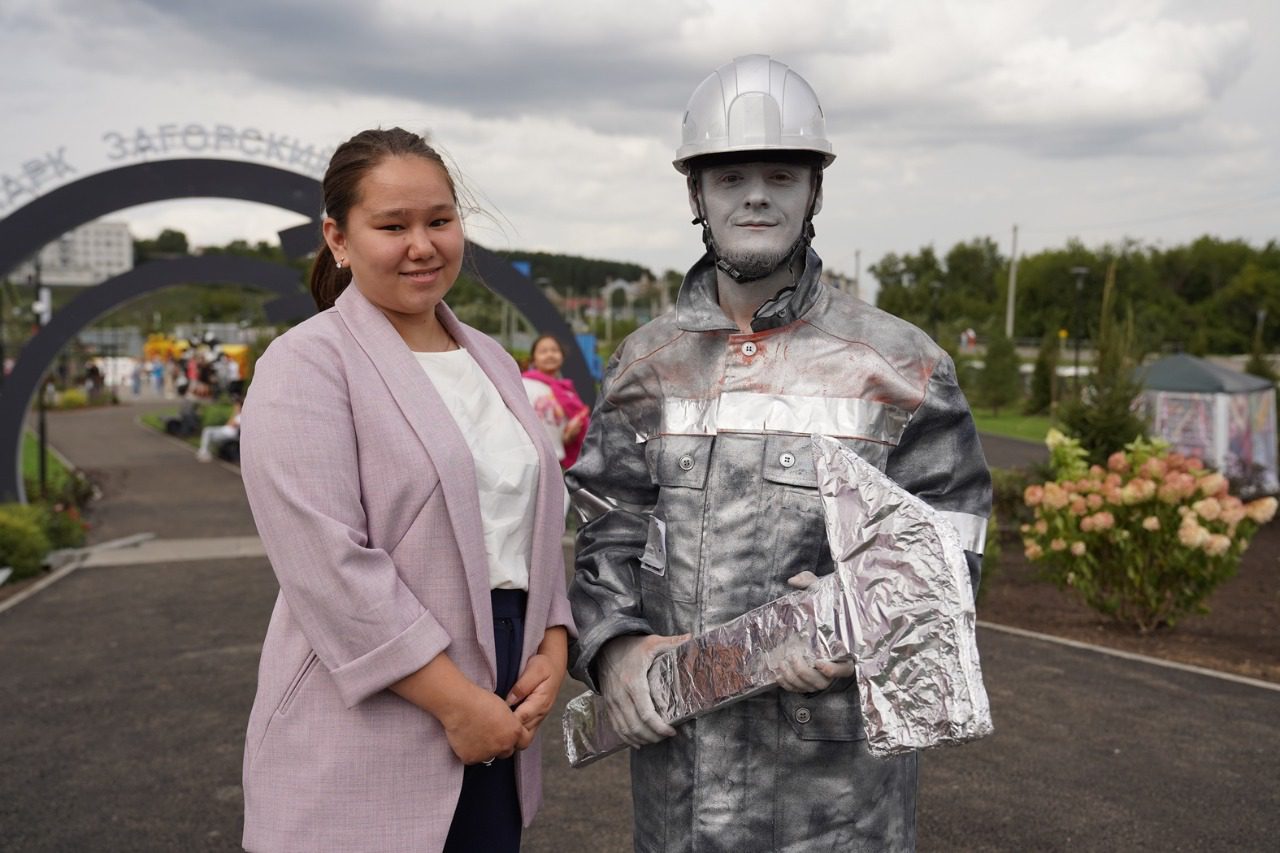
(895, 70)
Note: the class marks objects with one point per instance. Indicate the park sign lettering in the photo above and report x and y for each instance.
(33, 177)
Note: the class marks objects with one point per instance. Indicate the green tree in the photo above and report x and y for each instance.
(1000, 383)
(170, 243)
(1102, 418)
(942, 296)
(571, 275)
(1044, 377)
(1258, 363)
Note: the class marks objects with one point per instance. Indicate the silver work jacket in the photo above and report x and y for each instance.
(698, 454)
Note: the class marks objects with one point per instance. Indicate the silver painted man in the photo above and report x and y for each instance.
(704, 500)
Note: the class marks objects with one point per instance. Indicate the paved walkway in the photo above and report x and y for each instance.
(124, 691)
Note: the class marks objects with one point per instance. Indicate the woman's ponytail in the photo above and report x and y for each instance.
(327, 280)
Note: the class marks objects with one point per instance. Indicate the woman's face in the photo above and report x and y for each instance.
(403, 239)
(547, 357)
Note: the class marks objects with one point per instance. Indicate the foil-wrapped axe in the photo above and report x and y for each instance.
(899, 604)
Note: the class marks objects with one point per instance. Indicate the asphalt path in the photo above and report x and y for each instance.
(124, 693)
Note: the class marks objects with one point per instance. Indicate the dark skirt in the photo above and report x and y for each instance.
(488, 813)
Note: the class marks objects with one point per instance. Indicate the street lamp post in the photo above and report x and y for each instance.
(1079, 273)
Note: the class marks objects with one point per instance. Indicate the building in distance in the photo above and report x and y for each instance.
(89, 255)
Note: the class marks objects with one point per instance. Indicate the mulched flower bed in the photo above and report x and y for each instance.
(1240, 634)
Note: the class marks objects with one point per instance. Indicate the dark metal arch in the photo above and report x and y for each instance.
(28, 229)
(35, 359)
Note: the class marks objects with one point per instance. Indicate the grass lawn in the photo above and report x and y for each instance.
(55, 471)
(1011, 425)
(211, 414)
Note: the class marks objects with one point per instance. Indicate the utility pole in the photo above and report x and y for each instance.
(1013, 286)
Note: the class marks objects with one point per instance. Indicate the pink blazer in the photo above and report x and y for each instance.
(364, 493)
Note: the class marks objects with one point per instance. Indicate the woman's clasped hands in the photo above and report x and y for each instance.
(480, 725)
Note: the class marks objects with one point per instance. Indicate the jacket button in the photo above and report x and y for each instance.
(786, 460)
(686, 462)
(749, 349)
(803, 716)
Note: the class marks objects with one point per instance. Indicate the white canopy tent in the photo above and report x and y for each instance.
(1225, 417)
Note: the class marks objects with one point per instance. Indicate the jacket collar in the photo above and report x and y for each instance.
(698, 307)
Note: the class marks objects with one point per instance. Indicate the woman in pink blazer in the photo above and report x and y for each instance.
(420, 634)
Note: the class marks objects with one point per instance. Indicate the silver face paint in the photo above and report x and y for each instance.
(756, 212)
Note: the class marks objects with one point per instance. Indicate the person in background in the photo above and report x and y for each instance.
(212, 436)
(554, 398)
(412, 510)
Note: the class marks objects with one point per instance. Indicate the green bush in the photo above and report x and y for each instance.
(23, 543)
(64, 487)
(73, 398)
(61, 524)
(1144, 540)
(64, 526)
(1007, 486)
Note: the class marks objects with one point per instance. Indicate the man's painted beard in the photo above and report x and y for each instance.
(756, 263)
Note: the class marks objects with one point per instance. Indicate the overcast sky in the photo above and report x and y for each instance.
(951, 120)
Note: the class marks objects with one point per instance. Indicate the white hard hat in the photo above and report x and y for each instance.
(753, 104)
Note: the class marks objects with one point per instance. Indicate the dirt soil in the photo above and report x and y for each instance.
(1240, 634)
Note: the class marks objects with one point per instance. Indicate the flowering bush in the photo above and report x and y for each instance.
(1144, 540)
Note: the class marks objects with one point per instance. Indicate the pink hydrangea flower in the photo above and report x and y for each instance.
(1055, 497)
(1192, 535)
(1057, 545)
(1151, 523)
(1154, 468)
(1077, 549)
(1118, 462)
(1213, 485)
(1209, 509)
(1033, 495)
(1033, 551)
(1216, 544)
(1262, 510)
(1094, 501)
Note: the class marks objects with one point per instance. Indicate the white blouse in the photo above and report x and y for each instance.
(506, 462)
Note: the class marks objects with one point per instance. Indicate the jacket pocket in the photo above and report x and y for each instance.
(832, 714)
(679, 461)
(295, 686)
